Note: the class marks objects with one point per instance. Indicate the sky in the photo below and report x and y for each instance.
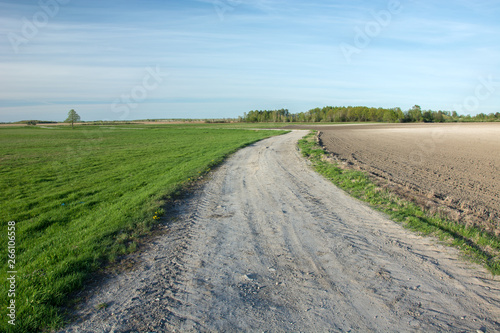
(152, 59)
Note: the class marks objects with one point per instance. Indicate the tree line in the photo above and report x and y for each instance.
(363, 114)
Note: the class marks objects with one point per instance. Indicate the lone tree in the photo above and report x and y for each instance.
(72, 117)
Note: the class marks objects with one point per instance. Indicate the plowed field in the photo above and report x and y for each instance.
(453, 168)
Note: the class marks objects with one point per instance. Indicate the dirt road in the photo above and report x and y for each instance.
(269, 245)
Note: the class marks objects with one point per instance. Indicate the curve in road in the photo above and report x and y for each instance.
(268, 244)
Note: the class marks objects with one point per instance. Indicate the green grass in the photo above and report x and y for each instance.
(476, 244)
(81, 198)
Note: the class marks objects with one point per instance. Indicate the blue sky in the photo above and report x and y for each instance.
(219, 58)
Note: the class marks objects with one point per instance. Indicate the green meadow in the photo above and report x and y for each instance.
(81, 198)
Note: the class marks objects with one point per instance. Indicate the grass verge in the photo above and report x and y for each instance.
(82, 198)
(476, 244)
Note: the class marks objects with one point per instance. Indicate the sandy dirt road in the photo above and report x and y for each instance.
(269, 245)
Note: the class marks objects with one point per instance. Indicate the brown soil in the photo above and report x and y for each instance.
(450, 168)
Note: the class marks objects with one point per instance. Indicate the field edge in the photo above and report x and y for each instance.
(475, 245)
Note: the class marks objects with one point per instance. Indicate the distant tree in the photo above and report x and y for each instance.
(390, 116)
(400, 116)
(415, 114)
(438, 117)
(427, 116)
(73, 117)
(363, 113)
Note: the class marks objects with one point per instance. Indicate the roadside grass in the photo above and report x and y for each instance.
(476, 244)
(81, 198)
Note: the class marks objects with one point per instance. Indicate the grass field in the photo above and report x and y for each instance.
(80, 198)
